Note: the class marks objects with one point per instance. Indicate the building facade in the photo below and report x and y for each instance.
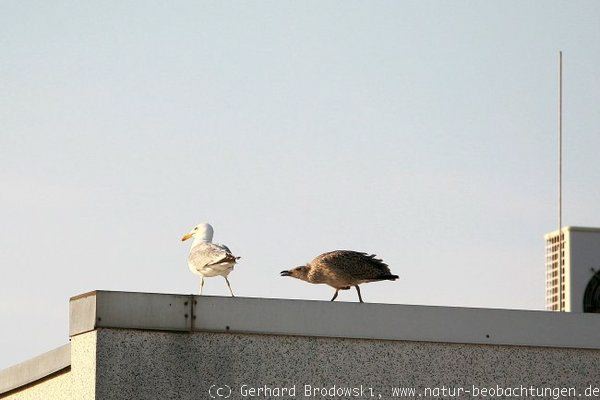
(575, 285)
(143, 346)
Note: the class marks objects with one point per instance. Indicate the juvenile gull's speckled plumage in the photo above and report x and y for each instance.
(209, 259)
(342, 269)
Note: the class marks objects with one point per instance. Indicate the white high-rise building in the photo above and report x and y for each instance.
(578, 286)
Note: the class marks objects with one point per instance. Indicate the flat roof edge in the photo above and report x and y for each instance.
(35, 369)
(191, 313)
(572, 229)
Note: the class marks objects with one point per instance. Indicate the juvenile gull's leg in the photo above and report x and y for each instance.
(201, 285)
(359, 296)
(229, 286)
(335, 295)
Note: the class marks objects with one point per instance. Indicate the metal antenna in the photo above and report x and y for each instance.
(560, 140)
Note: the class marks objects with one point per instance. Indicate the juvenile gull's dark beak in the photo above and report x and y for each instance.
(285, 273)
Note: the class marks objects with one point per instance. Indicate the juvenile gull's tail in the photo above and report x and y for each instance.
(387, 277)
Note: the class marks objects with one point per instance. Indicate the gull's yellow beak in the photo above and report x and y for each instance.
(186, 237)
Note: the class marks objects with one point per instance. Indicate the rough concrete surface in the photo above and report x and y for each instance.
(83, 365)
(151, 365)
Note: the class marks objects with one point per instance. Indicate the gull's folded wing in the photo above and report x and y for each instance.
(206, 254)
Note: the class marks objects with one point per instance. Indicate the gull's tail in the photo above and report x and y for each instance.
(387, 277)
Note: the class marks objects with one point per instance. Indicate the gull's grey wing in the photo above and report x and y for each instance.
(224, 247)
(206, 254)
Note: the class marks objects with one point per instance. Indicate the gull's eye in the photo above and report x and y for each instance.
(196, 228)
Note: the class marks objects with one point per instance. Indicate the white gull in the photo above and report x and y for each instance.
(209, 259)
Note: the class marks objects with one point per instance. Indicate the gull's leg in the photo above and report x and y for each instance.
(335, 295)
(359, 296)
(201, 285)
(229, 286)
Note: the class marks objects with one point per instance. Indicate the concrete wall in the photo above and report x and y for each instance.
(55, 387)
(110, 364)
(76, 381)
(189, 313)
(151, 365)
(45, 376)
(156, 346)
(83, 366)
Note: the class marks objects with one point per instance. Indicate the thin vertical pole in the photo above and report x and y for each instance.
(560, 140)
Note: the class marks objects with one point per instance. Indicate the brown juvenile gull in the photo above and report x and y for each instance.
(209, 259)
(342, 269)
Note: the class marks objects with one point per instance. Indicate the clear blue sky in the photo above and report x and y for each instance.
(424, 132)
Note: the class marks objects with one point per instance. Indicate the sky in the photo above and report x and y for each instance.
(421, 131)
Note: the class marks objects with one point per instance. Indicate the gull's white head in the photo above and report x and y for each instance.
(202, 232)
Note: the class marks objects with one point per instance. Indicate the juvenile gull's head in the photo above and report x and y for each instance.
(298, 273)
(203, 232)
